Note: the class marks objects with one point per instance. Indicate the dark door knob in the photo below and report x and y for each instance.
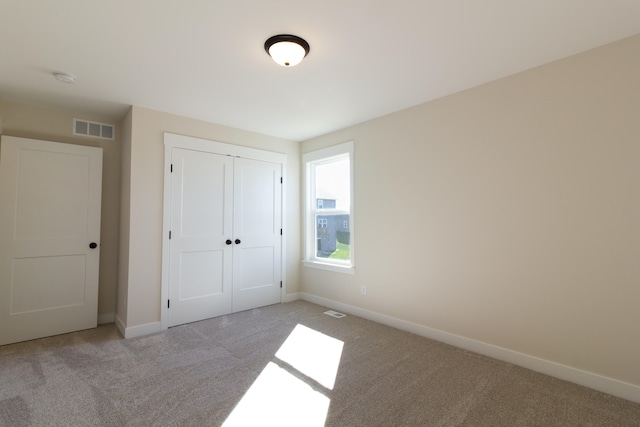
(238, 241)
(93, 245)
(228, 242)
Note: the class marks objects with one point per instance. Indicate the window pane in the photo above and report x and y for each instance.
(329, 242)
(333, 237)
(333, 190)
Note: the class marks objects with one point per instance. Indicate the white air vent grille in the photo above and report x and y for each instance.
(93, 129)
(335, 314)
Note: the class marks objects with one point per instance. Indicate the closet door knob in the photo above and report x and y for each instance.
(228, 242)
(93, 245)
(238, 241)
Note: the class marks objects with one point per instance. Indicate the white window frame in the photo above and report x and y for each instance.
(309, 161)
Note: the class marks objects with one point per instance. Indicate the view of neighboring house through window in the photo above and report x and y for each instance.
(328, 208)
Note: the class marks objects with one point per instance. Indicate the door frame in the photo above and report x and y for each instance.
(171, 141)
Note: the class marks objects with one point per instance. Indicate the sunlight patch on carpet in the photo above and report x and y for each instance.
(312, 353)
(277, 398)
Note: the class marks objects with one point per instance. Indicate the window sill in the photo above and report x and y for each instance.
(345, 269)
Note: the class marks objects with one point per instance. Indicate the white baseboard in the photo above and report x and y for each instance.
(137, 331)
(292, 297)
(597, 382)
(120, 325)
(151, 328)
(106, 318)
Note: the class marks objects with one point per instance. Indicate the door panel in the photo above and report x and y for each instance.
(45, 283)
(257, 223)
(50, 213)
(200, 275)
(201, 222)
(259, 264)
(62, 196)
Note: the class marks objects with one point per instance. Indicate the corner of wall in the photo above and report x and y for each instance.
(124, 230)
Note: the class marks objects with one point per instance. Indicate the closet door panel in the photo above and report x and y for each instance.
(200, 284)
(257, 225)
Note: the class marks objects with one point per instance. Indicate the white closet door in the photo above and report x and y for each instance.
(223, 210)
(50, 196)
(257, 228)
(200, 274)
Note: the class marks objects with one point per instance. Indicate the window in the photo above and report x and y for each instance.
(329, 242)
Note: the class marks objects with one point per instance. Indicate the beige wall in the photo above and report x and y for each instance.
(144, 243)
(508, 213)
(56, 125)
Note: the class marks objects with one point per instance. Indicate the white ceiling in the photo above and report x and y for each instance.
(205, 58)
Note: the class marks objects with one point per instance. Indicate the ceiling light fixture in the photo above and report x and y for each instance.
(286, 49)
(65, 78)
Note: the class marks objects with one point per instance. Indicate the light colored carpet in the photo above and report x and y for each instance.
(197, 374)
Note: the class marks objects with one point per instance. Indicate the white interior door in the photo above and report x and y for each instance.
(257, 229)
(200, 272)
(50, 196)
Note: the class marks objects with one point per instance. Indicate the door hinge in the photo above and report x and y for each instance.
(281, 231)
(171, 168)
(280, 180)
(280, 283)
(168, 303)
(169, 234)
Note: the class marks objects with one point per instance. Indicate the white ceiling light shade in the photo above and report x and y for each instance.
(286, 49)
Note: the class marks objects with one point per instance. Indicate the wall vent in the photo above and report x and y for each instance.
(93, 129)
